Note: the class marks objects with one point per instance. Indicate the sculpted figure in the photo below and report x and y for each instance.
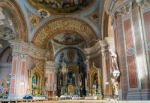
(115, 88)
(114, 64)
(115, 74)
(114, 60)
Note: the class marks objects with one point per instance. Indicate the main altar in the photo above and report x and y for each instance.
(71, 81)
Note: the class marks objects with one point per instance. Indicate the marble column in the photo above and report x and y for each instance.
(131, 47)
(21, 53)
(86, 79)
(105, 69)
(141, 56)
(19, 75)
(51, 78)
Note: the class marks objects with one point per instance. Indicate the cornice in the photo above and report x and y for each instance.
(99, 47)
(23, 48)
(63, 24)
(118, 7)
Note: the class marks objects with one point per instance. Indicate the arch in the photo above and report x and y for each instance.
(6, 55)
(104, 25)
(61, 49)
(17, 18)
(60, 25)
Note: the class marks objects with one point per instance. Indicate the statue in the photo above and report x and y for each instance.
(115, 74)
(114, 64)
(115, 88)
(113, 60)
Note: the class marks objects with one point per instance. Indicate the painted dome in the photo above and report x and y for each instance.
(59, 6)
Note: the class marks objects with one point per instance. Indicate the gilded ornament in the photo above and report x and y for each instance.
(34, 20)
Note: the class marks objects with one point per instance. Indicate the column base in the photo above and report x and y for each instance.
(138, 95)
(14, 97)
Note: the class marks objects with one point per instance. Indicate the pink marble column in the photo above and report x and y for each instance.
(51, 79)
(18, 83)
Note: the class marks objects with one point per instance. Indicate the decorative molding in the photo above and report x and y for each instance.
(124, 10)
(57, 47)
(93, 49)
(50, 67)
(34, 20)
(143, 3)
(130, 51)
(99, 48)
(17, 17)
(118, 7)
(62, 25)
(23, 48)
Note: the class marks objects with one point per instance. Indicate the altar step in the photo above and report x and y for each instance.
(70, 101)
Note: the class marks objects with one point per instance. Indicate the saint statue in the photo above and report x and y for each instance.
(115, 74)
(114, 64)
(115, 88)
(113, 59)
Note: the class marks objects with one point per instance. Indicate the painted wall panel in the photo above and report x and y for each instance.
(130, 50)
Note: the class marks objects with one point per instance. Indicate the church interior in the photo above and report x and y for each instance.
(75, 49)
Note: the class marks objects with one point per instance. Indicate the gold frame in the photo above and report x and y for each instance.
(36, 70)
(91, 74)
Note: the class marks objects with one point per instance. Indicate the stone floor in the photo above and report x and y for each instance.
(71, 101)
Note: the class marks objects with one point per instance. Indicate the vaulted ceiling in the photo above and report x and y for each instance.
(61, 22)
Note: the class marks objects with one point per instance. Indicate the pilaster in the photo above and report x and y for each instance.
(131, 47)
(21, 52)
(51, 79)
(105, 69)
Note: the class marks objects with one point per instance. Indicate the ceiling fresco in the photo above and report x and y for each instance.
(60, 6)
(68, 39)
(12, 21)
(6, 25)
(63, 25)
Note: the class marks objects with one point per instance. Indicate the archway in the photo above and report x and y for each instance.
(5, 67)
(63, 25)
(12, 27)
(71, 72)
(10, 10)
